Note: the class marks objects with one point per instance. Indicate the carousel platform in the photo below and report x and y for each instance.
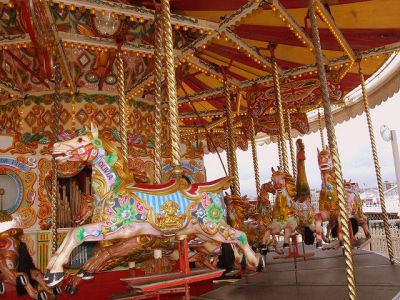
(319, 277)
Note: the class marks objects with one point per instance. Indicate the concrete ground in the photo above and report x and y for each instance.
(322, 276)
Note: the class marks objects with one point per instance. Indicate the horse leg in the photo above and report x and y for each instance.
(92, 232)
(235, 237)
(11, 277)
(120, 249)
(38, 276)
(364, 225)
(54, 258)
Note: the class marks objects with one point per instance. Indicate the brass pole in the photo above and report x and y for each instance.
(158, 53)
(291, 146)
(377, 169)
(344, 213)
(171, 87)
(231, 142)
(321, 130)
(123, 108)
(280, 114)
(227, 152)
(54, 169)
(279, 144)
(254, 154)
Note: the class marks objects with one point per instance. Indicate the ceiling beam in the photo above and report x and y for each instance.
(102, 42)
(10, 40)
(234, 18)
(58, 47)
(292, 24)
(138, 12)
(249, 49)
(10, 89)
(187, 52)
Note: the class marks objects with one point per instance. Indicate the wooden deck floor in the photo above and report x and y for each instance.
(321, 277)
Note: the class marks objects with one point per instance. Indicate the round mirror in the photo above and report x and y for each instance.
(10, 192)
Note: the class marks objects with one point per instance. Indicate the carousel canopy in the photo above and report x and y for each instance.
(234, 40)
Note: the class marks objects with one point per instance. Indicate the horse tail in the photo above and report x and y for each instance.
(227, 258)
(25, 265)
(308, 236)
(354, 225)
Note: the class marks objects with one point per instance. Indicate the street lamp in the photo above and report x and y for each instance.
(390, 135)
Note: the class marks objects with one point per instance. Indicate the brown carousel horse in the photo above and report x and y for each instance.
(284, 211)
(328, 197)
(125, 210)
(354, 203)
(17, 267)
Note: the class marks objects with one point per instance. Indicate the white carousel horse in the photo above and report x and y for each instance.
(125, 210)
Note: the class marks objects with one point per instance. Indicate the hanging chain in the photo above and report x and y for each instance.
(344, 213)
(123, 108)
(292, 153)
(377, 169)
(158, 53)
(255, 157)
(171, 87)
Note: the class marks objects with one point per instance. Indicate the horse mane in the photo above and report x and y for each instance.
(290, 184)
(118, 166)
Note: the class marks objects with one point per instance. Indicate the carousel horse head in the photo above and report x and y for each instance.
(325, 160)
(301, 155)
(283, 181)
(82, 148)
(265, 189)
(351, 187)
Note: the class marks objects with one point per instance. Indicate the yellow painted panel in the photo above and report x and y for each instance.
(211, 82)
(250, 71)
(368, 14)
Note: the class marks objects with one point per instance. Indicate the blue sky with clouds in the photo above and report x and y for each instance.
(354, 148)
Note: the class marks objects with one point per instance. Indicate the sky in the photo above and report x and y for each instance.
(354, 149)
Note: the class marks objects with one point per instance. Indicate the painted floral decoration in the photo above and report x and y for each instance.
(126, 214)
(214, 213)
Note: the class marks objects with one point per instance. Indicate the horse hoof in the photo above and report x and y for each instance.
(2, 288)
(46, 275)
(22, 279)
(73, 290)
(55, 278)
(42, 295)
(318, 245)
(87, 276)
(80, 273)
(285, 245)
(68, 288)
(57, 290)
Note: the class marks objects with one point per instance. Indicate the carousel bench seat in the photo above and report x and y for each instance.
(156, 282)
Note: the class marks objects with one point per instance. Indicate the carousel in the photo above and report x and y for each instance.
(107, 108)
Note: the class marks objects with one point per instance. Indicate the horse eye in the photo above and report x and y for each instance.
(80, 140)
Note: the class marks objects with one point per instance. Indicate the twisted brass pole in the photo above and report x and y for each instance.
(344, 213)
(291, 146)
(231, 142)
(279, 144)
(123, 108)
(158, 52)
(171, 87)
(321, 130)
(54, 169)
(228, 151)
(254, 154)
(377, 169)
(280, 115)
